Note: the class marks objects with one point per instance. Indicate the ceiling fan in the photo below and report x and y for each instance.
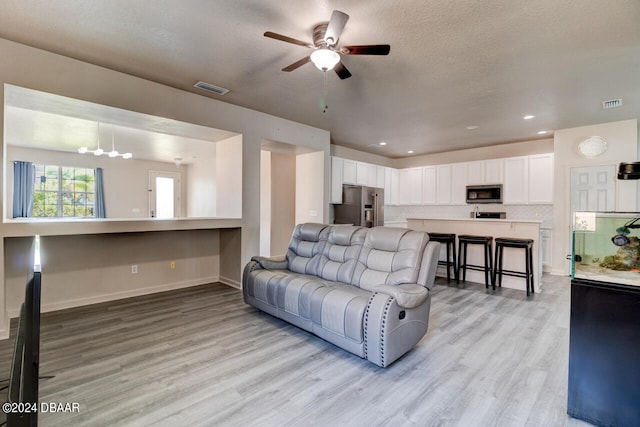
(326, 54)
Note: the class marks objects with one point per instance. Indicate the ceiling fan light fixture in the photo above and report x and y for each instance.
(325, 59)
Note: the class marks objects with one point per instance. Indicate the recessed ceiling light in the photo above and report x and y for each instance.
(410, 152)
(528, 117)
(383, 143)
(542, 132)
(473, 127)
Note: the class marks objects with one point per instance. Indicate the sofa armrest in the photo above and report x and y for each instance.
(408, 295)
(271, 263)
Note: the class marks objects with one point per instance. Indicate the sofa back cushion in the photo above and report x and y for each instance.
(389, 256)
(305, 247)
(340, 253)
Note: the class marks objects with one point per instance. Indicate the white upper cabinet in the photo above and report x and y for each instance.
(411, 186)
(429, 185)
(391, 186)
(459, 183)
(541, 179)
(475, 172)
(349, 172)
(380, 177)
(443, 194)
(493, 171)
(362, 174)
(516, 181)
(337, 166)
(483, 172)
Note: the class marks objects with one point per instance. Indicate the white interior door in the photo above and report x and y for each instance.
(164, 194)
(593, 189)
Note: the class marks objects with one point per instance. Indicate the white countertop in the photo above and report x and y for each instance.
(530, 221)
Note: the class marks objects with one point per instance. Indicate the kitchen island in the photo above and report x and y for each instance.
(514, 259)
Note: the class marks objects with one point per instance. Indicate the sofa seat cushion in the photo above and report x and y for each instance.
(340, 309)
(287, 291)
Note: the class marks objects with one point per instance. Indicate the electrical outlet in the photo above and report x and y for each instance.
(134, 269)
(172, 265)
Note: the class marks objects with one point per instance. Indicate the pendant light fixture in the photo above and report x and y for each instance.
(99, 151)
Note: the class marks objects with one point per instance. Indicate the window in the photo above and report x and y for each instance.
(61, 191)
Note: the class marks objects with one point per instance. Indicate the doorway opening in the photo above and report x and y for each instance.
(164, 194)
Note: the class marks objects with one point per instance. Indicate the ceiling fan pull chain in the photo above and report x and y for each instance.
(325, 93)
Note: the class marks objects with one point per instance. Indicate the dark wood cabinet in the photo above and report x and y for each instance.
(604, 353)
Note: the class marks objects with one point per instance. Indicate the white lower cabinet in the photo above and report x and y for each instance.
(546, 247)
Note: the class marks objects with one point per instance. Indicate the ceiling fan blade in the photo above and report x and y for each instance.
(335, 27)
(287, 39)
(371, 49)
(297, 64)
(342, 71)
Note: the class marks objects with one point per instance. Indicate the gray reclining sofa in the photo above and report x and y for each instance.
(366, 290)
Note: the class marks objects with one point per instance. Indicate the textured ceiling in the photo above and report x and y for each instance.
(452, 64)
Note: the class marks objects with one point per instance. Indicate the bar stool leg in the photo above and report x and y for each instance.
(499, 259)
(530, 260)
(455, 266)
(496, 267)
(527, 272)
(486, 267)
(490, 266)
(448, 263)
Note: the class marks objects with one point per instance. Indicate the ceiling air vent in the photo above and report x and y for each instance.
(211, 88)
(612, 103)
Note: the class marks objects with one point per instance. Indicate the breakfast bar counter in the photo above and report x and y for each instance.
(514, 259)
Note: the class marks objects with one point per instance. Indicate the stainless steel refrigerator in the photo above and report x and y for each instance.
(362, 206)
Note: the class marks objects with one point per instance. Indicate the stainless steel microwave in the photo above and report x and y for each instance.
(484, 193)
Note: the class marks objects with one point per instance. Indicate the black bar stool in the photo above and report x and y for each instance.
(485, 241)
(450, 241)
(498, 271)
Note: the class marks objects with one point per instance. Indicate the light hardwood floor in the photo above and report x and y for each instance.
(201, 357)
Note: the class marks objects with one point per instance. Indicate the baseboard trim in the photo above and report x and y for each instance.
(230, 282)
(116, 296)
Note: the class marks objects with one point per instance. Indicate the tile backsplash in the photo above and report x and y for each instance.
(521, 212)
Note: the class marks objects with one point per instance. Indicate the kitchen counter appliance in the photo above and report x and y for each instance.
(489, 215)
(484, 193)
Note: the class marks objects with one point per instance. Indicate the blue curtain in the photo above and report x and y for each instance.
(101, 209)
(24, 174)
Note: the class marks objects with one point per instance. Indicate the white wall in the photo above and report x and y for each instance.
(622, 146)
(201, 180)
(81, 269)
(265, 203)
(309, 190)
(228, 182)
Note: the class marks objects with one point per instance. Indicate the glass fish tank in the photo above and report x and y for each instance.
(606, 247)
